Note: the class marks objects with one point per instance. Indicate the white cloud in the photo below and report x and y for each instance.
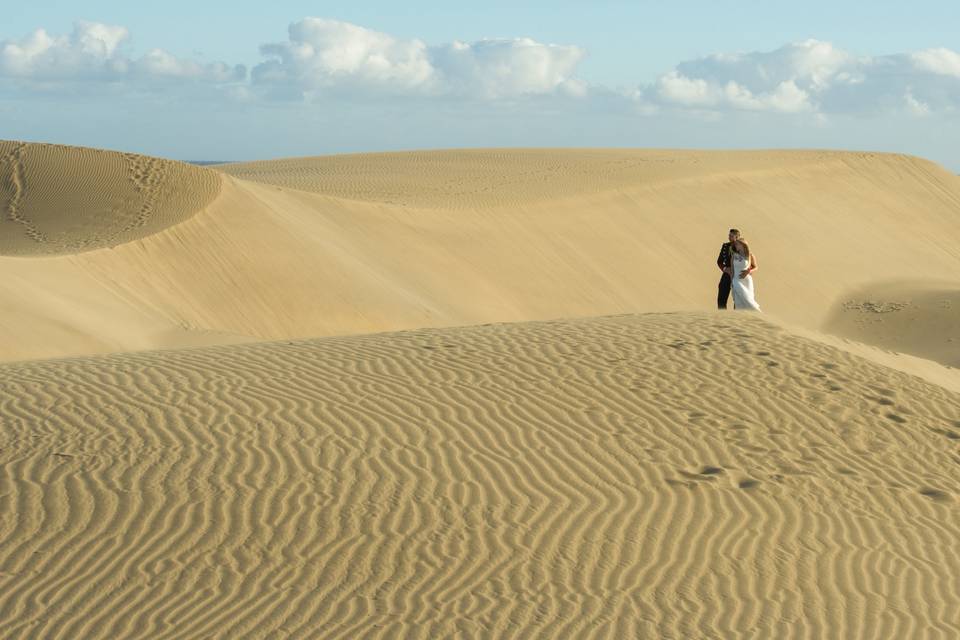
(678, 88)
(323, 59)
(811, 76)
(786, 97)
(93, 52)
(329, 56)
(916, 107)
(157, 63)
(940, 61)
(502, 67)
(699, 93)
(789, 98)
(325, 53)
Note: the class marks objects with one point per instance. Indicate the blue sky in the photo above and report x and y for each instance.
(191, 80)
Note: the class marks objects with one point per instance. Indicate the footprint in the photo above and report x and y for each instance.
(705, 474)
(951, 435)
(935, 494)
(755, 449)
(896, 418)
(748, 483)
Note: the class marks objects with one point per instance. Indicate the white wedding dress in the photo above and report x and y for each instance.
(743, 297)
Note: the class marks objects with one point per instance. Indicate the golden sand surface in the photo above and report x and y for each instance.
(60, 200)
(483, 178)
(920, 318)
(658, 475)
(357, 244)
(477, 394)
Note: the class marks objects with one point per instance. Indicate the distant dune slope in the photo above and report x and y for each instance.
(397, 241)
(653, 476)
(57, 200)
(481, 178)
(921, 318)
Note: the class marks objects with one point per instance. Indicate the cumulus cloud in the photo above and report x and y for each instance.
(324, 54)
(916, 107)
(329, 59)
(93, 52)
(326, 58)
(939, 61)
(812, 76)
(330, 56)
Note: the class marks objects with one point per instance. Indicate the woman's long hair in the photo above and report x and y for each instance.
(743, 244)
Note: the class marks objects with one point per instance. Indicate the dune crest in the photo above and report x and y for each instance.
(61, 200)
(663, 475)
(489, 178)
(565, 233)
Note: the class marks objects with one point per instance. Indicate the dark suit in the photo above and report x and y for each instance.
(723, 289)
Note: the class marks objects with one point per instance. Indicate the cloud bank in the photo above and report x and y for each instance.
(331, 56)
(93, 53)
(324, 60)
(813, 77)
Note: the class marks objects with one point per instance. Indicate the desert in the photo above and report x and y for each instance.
(477, 393)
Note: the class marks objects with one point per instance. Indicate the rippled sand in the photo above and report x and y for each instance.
(664, 475)
(477, 394)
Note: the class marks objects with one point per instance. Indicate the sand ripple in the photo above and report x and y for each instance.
(483, 178)
(57, 200)
(677, 475)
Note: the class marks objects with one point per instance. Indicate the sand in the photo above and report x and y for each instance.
(919, 318)
(477, 394)
(659, 475)
(402, 241)
(60, 200)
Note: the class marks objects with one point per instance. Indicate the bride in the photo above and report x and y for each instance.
(742, 264)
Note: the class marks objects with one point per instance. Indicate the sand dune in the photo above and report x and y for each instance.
(682, 474)
(60, 200)
(672, 475)
(483, 178)
(921, 318)
(383, 242)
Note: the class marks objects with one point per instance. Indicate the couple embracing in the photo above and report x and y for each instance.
(737, 263)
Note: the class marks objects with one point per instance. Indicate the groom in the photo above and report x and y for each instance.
(723, 261)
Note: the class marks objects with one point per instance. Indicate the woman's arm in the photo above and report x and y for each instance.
(750, 267)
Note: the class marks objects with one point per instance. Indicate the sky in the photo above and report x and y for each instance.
(240, 80)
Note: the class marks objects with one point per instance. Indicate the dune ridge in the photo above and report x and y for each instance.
(490, 178)
(660, 475)
(469, 237)
(60, 200)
